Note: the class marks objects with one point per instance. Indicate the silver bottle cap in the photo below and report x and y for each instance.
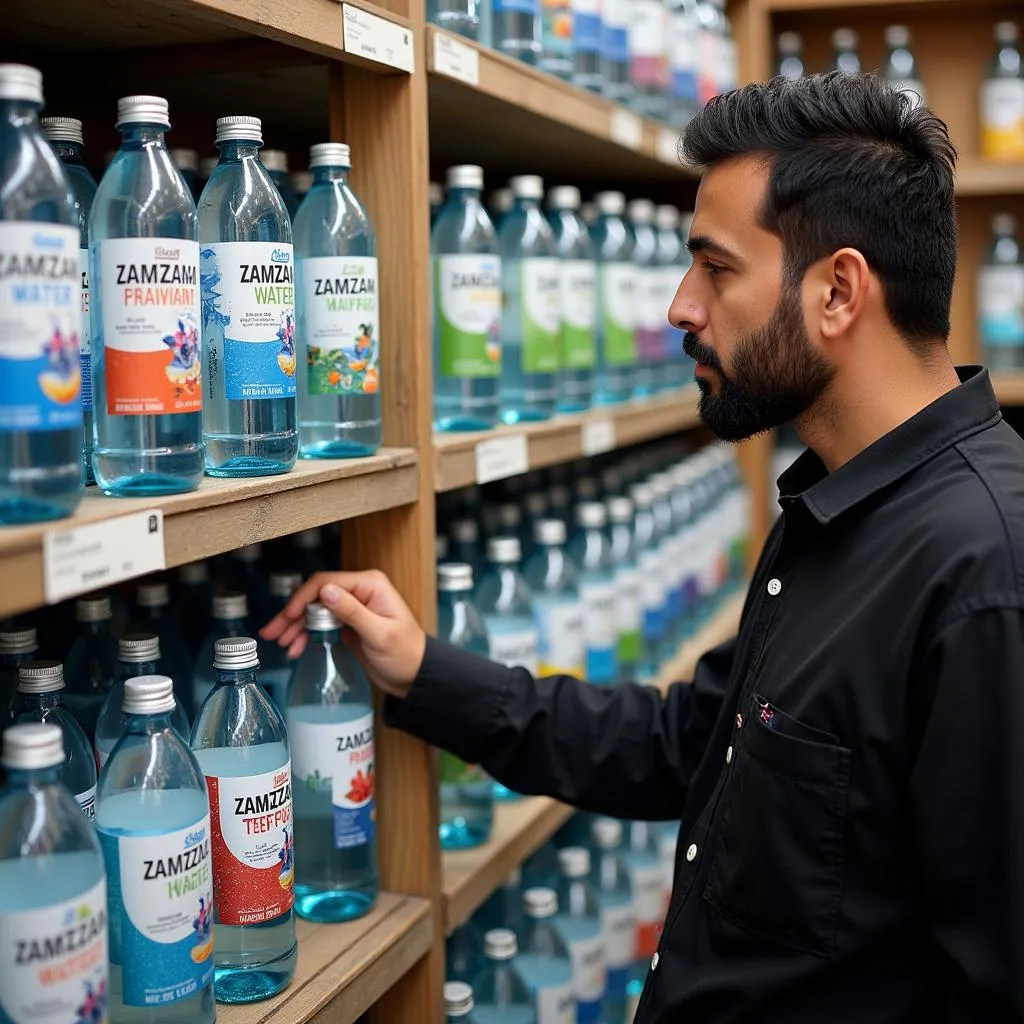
(540, 902)
(235, 653)
(62, 129)
(21, 82)
(93, 609)
(591, 514)
(143, 110)
(620, 510)
(41, 677)
(564, 197)
(328, 154)
(610, 203)
(897, 37)
(19, 641)
(574, 861)
(239, 128)
(607, 833)
(153, 595)
(527, 186)
(284, 584)
(320, 618)
(454, 576)
(458, 999)
(504, 550)
(549, 531)
(641, 211)
(667, 218)
(275, 160)
(138, 647)
(465, 176)
(148, 695)
(500, 944)
(34, 744)
(230, 606)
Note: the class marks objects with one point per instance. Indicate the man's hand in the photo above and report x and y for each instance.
(380, 629)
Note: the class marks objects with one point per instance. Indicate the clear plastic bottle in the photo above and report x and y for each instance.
(616, 297)
(844, 52)
(517, 28)
(146, 348)
(339, 314)
(240, 742)
(628, 586)
(578, 292)
(557, 37)
(245, 574)
(590, 551)
(91, 666)
(65, 136)
(687, 549)
(153, 821)
(187, 163)
(900, 69)
(41, 686)
(668, 843)
(330, 729)
(653, 590)
(276, 163)
(458, 1003)
(51, 872)
(643, 860)
(247, 272)
(673, 261)
(459, 16)
(206, 167)
(672, 567)
(579, 921)
(648, 58)
(531, 315)
(153, 615)
(17, 647)
(789, 56)
(504, 907)
(230, 620)
(505, 602)
(684, 61)
(609, 878)
(467, 796)
(193, 598)
(1002, 98)
(649, 305)
(275, 665)
(500, 994)
(617, 85)
(587, 42)
(40, 407)
(466, 308)
(544, 961)
(1001, 297)
(499, 203)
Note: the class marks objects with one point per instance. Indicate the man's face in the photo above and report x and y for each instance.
(757, 367)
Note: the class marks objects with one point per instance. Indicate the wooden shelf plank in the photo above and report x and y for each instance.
(344, 969)
(722, 626)
(979, 177)
(570, 437)
(1009, 388)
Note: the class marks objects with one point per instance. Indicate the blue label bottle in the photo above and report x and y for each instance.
(673, 261)
(557, 40)
(587, 63)
(654, 595)
(590, 550)
(628, 586)
(610, 880)
(517, 28)
(616, 85)
(499, 991)
(649, 305)
(616, 301)
(459, 16)
(91, 666)
(230, 619)
(544, 961)
(579, 922)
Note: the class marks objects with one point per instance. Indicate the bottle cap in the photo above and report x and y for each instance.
(308, 540)
(230, 606)
(21, 82)
(209, 163)
(607, 833)
(666, 217)
(436, 193)
(93, 609)
(239, 128)
(320, 618)
(458, 999)
(510, 516)
(642, 495)
(194, 572)
(641, 211)
(34, 744)
(235, 653)
(527, 186)
(591, 514)
(610, 203)
(897, 37)
(500, 944)
(500, 200)
(454, 576)
(284, 584)
(143, 110)
(148, 695)
(185, 159)
(328, 154)
(620, 510)
(1004, 224)
(248, 553)
(844, 39)
(275, 160)
(661, 485)
(1006, 32)
(564, 197)
(18, 641)
(153, 595)
(789, 44)
(136, 647)
(465, 176)
(62, 129)
(41, 677)
(574, 861)
(540, 902)
(465, 531)
(549, 531)
(504, 550)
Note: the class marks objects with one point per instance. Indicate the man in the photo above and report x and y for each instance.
(848, 770)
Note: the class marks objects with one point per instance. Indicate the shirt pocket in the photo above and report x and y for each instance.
(778, 867)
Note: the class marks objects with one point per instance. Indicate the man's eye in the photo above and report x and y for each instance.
(713, 268)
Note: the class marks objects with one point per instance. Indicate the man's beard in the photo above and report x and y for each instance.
(776, 375)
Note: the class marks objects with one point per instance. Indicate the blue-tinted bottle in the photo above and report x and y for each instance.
(40, 376)
(517, 28)
(459, 16)
(579, 921)
(458, 1003)
(590, 550)
(466, 307)
(672, 564)
(17, 647)
(653, 590)
(275, 665)
(230, 619)
(616, 298)
(330, 731)
(193, 597)
(467, 794)
(616, 83)
(643, 861)
(276, 163)
(152, 812)
(609, 878)
(504, 907)
(557, 37)
(91, 666)
(153, 615)
(683, 62)
(648, 304)
(339, 314)
(587, 44)
(145, 315)
(499, 991)
(464, 952)
(247, 272)
(648, 58)
(544, 961)
(187, 163)
(673, 262)
(628, 587)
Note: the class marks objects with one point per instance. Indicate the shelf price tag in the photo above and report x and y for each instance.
(666, 147)
(500, 457)
(83, 558)
(377, 39)
(597, 436)
(627, 129)
(456, 60)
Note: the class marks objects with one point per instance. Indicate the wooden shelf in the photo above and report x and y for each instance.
(1009, 388)
(223, 514)
(568, 437)
(723, 625)
(977, 177)
(344, 969)
(850, 5)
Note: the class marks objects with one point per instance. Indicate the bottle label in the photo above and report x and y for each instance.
(682, 48)
(512, 647)
(337, 757)
(86, 801)
(253, 848)
(84, 349)
(161, 902)
(53, 961)
(149, 289)
(647, 58)
(652, 577)
(555, 1005)
(579, 314)
(541, 287)
(647, 908)
(556, 27)
(628, 612)
(560, 629)
(599, 605)
(1002, 117)
(530, 7)
(40, 327)
(341, 324)
(1001, 305)
(672, 337)
(586, 26)
(618, 293)
(651, 312)
(587, 957)
(468, 310)
(619, 927)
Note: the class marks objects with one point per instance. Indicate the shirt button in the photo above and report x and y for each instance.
(739, 720)
(691, 853)
(775, 587)
(654, 962)
(728, 756)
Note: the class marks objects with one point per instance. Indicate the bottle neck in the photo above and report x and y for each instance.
(322, 175)
(133, 669)
(42, 701)
(464, 195)
(136, 136)
(69, 152)
(527, 203)
(20, 113)
(146, 725)
(24, 778)
(236, 676)
(233, 150)
(325, 636)
(230, 626)
(94, 628)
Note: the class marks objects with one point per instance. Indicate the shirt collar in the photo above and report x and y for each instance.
(965, 410)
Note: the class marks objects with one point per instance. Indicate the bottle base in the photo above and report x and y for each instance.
(17, 510)
(332, 906)
(141, 485)
(513, 416)
(268, 454)
(249, 465)
(337, 450)
(253, 984)
(148, 473)
(457, 423)
(459, 834)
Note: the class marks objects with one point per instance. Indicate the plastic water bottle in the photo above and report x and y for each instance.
(187, 163)
(845, 57)
(51, 873)
(587, 64)
(240, 742)
(578, 293)
(610, 880)
(590, 551)
(147, 354)
(245, 574)
(900, 68)
(193, 598)
(649, 306)
(458, 1002)
(653, 595)
(517, 28)
(65, 136)
(628, 586)
(557, 37)
(459, 16)
(687, 549)
(463, 952)
(683, 59)
(1001, 297)
(504, 907)
(616, 298)
(17, 647)
(330, 729)
(465, 544)
(530, 319)
(673, 261)
(643, 860)
(91, 666)
(275, 665)
(672, 565)
(617, 85)
(467, 307)
(1002, 98)
(154, 615)
(668, 842)
(557, 607)
(500, 994)
(230, 620)
(708, 50)
(544, 962)
(789, 49)
(339, 314)
(648, 58)
(40, 337)
(276, 163)
(579, 921)
(153, 820)
(41, 687)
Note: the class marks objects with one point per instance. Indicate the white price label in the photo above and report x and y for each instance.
(85, 558)
(597, 436)
(377, 39)
(456, 60)
(666, 145)
(627, 129)
(500, 457)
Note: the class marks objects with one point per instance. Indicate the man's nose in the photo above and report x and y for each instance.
(686, 312)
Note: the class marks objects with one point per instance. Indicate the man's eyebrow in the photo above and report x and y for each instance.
(704, 243)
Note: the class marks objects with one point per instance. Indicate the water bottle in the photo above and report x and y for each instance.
(467, 307)
(17, 647)
(530, 320)
(193, 598)
(147, 354)
(684, 61)
(41, 690)
(617, 85)
(459, 16)
(587, 62)
(648, 58)
(900, 68)
(465, 544)
(339, 314)
(628, 582)
(40, 407)
(673, 261)
(668, 842)
(330, 728)
(230, 620)
(578, 298)
(517, 29)
(643, 860)
(464, 958)
(687, 549)
(153, 615)
(275, 665)
(653, 594)
(616, 297)
(240, 743)
(504, 907)
(187, 163)
(245, 574)
(1002, 98)
(500, 994)
(610, 880)
(789, 49)
(1001, 297)
(544, 962)
(649, 304)
(844, 56)
(91, 666)
(590, 551)
(458, 1002)
(276, 163)
(672, 567)
(65, 137)
(51, 873)
(579, 920)
(557, 38)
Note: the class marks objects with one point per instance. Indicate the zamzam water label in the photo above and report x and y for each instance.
(512, 647)
(578, 307)
(253, 848)
(161, 903)
(340, 324)
(560, 628)
(555, 1005)
(1002, 118)
(600, 626)
(468, 310)
(588, 979)
(618, 288)
(53, 961)
(85, 348)
(40, 327)
(149, 289)
(540, 289)
(249, 296)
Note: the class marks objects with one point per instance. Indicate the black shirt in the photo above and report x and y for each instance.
(849, 771)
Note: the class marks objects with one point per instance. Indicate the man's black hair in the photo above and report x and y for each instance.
(853, 163)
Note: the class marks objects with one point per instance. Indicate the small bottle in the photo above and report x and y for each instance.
(530, 320)
(330, 729)
(685, 262)
(789, 61)
(187, 163)
(544, 961)
(463, 954)
(673, 261)
(499, 203)
(1001, 297)
(193, 598)
(65, 136)
(500, 994)
(339, 315)
(670, 561)
(247, 271)
(648, 58)
(643, 860)
(506, 605)
(616, 297)
(556, 37)
(517, 29)
(154, 615)
(230, 620)
(458, 1002)
(587, 44)
(845, 57)
(1002, 98)
(240, 743)
(41, 686)
(610, 880)
(900, 68)
(51, 873)
(649, 305)
(653, 590)
(579, 921)
(153, 821)
(617, 85)
(276, 163)
(467, 307)
(301, 182)
(40, 341)
(91, 667)
(578, 298)
(628, 587)
(684, 61)
(467, 797)
(459, 16)
(17, 647)
(591, 553)
(245, 574)
(275, 665)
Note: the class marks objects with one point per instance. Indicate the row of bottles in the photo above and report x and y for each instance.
(1000, 297)
(547, 314)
